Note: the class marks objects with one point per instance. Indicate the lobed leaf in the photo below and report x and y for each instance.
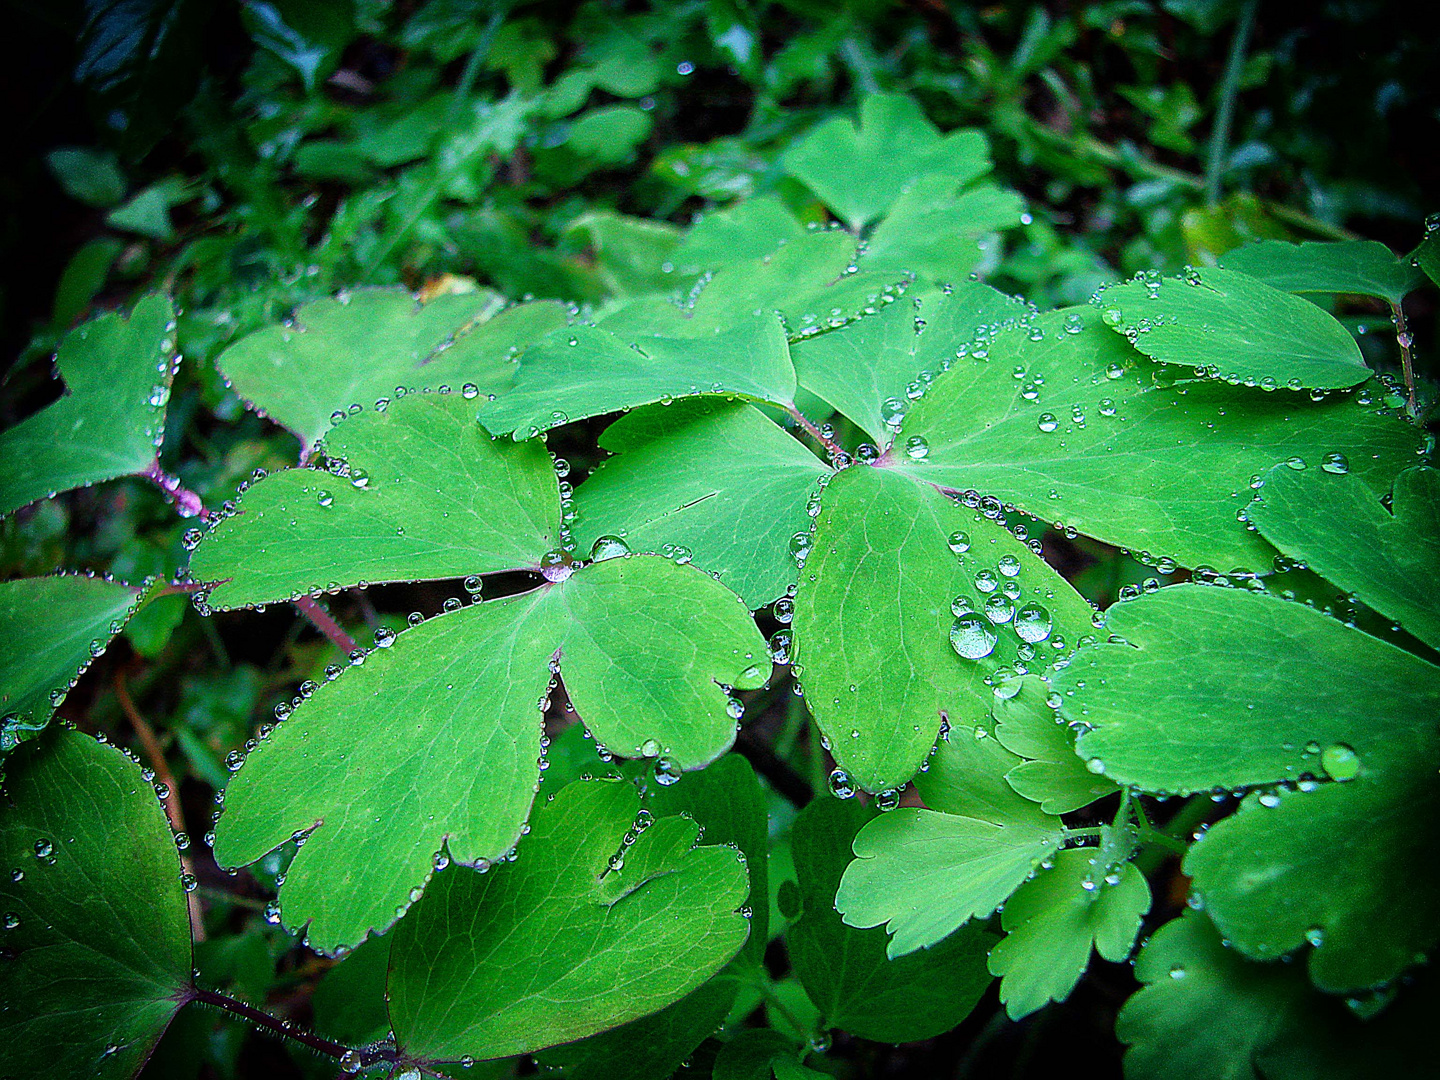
(1233, 326)
(1070, 424)
(719, 479)
(861, 172)
(359, 347)
(846, 971)
(568, 940)
(1331, 522)
(424, 493)
(1054, 920)
(95, 932)
(50, 630)
(110, 421)
(1052, 775)
(1332, 860)
(934, 229)
(879, 605)
(433, 743)
(1350, 267)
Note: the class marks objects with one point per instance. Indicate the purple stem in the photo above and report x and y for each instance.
(185, 500)
(321, 620)
(815, 433)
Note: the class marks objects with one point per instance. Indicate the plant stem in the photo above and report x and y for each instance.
(321, 620)
(284, 1029)
(155, 754)
(1407, 363)
(814, 432)
(1225, 113)
(185, 500)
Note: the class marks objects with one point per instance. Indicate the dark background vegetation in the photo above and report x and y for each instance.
(1104, 115)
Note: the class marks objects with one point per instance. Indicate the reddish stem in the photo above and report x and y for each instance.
(185, 500)
(814, 432)
(322, 621)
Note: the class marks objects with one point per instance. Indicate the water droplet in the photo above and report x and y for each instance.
(324, 498)
(973, 636)
(959, 542)
(1047, 422)
(1335, 463)
(841, 786)
(1340, 762)
(556, 565)
(351, 1061)
(384, 637)
(667, 771)
(887, 800)
(1315, 936)
(998, 609)
(1009, 565)
(916, 448)
(650, 748)
(986, 581)
(1033, 623)
(12, 920)
(469, 391)
(608, 547)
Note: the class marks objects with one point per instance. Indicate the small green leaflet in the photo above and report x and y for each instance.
(630, 253)
(900, 580)
(50, 630)
(845, 970)
(934, 229)
(1053, 774)
(861, 173)
(434, 741)
(749, 229)
(689, 474)
(873, 370)
(94, 929)
(111, 421)
(1072, 425)
(587, 371)
(1350, 267)
(581, 933)
(418, 491)
(358, 348)
(1205, 1011)
(1234, 327)
(1332, 861)
(1331, 522)
(1053, 921)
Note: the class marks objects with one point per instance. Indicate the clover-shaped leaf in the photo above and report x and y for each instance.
(94, 929)
(846, 971)
(1235, 327)
(908, 605)
(688, 475)
(860, 173)
(1330, 521)
(602, 919)
(1358, 267)
(1070, 424)
(306, 372)
(111, 421)
(1285, 695)
(50, 630)
(934, 229)
(1054, 920)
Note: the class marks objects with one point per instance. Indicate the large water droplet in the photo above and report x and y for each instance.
(973, 636)
(1033, 623)
(1340, 762)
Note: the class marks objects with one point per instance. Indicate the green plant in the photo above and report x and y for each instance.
(524, 821)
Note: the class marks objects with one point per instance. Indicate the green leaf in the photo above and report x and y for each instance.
(860, 173)
(434, 741)
(725, 800)
(1334, 860)
(1053, 774)
(752, 1053)
(349, 1001)
(51, 629)
(1236, 328)
(91, 176)
(1204, 1011)
(1333, 523)
(110, 422)
(424, 493)
(95, 940)
(845, 970)
(1351, 267)
(924, 874)
(750, 229)
(874, 620)
(872, 370)
(358, 348)
(564, 943)
(933, 230)
(1054, 920)
(608, 135)
(686, 474)
(1096, 437)
(631, 253)
(588, 371)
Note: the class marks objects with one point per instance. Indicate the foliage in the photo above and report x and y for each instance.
(690, 539)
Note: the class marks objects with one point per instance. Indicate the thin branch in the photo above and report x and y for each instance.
(155, 754)
(184, 500)
(321, 620)
(1225, 114)
(814, 432)
(280, 1027)
(1406, 340)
